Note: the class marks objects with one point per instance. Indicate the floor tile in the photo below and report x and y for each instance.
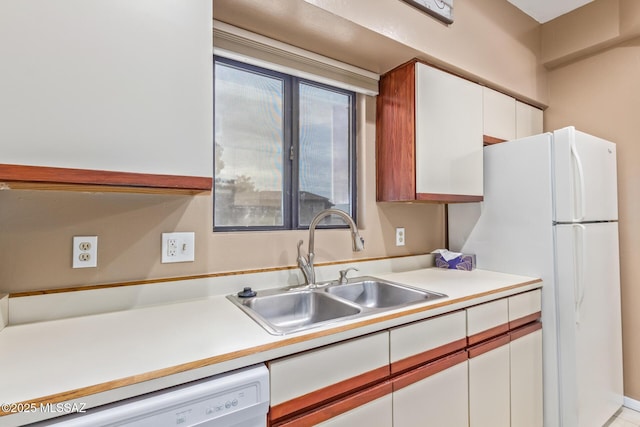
(630, 415)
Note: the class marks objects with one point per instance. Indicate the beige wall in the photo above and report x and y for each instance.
(600, 94)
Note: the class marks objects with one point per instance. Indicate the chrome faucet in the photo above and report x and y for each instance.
(306, 264)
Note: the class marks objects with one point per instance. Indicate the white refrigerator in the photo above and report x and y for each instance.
(550, 210)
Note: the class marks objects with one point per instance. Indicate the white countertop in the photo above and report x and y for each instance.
(99, 358)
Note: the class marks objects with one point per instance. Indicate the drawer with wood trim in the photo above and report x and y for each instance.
(525, 308)
(487, 320)
(307, 380)
(421, 342)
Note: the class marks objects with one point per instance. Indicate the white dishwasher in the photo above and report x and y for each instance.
(234, 399)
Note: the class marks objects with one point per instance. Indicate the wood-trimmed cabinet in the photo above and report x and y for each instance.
(474, 367)
(123, 102)
(505, 339)
(428, 136)
(431, 359)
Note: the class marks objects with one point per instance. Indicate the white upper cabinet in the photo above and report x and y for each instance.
(529, 120)
(428, 136)
(108, 85)
(448, 134)
(499, 114)
(505, 118)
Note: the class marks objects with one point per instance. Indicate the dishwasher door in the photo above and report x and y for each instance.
(234, 399)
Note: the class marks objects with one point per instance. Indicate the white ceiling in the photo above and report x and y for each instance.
(546, 10)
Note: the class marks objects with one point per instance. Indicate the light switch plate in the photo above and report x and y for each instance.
(178, 247)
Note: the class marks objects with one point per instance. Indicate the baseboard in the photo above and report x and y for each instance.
(631, 403)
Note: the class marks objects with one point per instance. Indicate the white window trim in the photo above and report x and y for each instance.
(254, 49)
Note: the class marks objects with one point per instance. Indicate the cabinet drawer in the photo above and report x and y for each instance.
(421, 342)
(370, 407)
(309, 378)
(487, 320)
(524, 308)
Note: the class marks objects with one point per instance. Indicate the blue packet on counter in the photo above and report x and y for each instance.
(454, 260)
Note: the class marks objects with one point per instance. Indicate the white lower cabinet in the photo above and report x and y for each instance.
(505, 370)
(478, 367)
(489, 387)
(526, 380)
(438, 400)
(377, 413)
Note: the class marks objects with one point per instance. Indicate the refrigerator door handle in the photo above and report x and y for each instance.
(579, 266)
(581, 192)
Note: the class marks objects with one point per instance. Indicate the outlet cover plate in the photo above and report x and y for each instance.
(85, 251)
(178, 247)
(400, 236)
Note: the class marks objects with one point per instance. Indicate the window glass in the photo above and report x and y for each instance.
(284, 149)
(324, 161)
(249, 140)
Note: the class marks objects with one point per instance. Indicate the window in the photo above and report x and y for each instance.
(284, 149)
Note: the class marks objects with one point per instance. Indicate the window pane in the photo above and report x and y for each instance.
(324, 164)
(248, 148)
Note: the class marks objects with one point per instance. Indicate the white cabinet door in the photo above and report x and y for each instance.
(526, 380)
(109, 85)
(377, 413)
(437, 400)
(499, 114)
(489, 387)
(529, 120)
(448, 133)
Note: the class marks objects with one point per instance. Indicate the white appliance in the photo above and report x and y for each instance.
(550, 210)
(234, 399)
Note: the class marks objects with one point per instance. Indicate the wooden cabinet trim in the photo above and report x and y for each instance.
(55, 175)
(449, 198)
(428, 370)
(486, 346)
(524, 320)
(337, 407)
(488, 333)
(490, 140)
(525, 330)
(395, 142)
(427, 356)
(323, 395)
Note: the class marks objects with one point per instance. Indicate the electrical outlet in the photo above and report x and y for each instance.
(85, 251)
(178, 247)
(400, 236)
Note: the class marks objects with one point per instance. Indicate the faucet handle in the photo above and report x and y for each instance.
(343, 274)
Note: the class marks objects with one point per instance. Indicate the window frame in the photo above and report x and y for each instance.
(291, 148)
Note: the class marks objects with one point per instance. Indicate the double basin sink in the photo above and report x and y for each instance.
(289, 310)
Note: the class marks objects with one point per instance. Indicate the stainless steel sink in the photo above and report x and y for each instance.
(371, 292)
(281, 312)
(288, 310)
